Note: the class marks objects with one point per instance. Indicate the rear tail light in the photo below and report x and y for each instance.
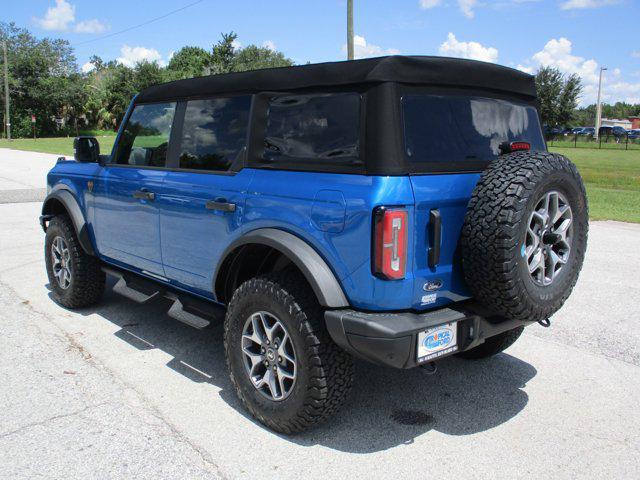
(390, 243)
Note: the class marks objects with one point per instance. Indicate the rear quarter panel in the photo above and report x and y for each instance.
(333, 213)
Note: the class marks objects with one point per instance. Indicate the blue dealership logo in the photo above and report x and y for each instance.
(438, 339)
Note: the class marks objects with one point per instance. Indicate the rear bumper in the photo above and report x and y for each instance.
(391, 339)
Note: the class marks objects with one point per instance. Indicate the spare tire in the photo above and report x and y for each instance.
(525, 234)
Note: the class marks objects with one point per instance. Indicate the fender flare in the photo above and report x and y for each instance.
(321, 278)
(70, 204)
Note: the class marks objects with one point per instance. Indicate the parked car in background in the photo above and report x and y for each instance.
(576, 130)
(634, 134)
(588, 131)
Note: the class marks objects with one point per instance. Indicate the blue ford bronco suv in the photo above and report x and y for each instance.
(396, 209)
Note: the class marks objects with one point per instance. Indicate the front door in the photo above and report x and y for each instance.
(127, 220)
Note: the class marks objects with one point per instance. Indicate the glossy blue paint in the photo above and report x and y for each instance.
(450, 195)
(193, 237)
(127, 229)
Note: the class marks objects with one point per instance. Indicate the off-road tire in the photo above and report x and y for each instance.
(493, 345)
(87, 279)
(325, 372)
(493, 234)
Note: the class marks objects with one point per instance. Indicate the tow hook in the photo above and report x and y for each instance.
(429, 368)
(546, 323)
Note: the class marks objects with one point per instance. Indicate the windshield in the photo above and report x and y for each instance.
(465, 129)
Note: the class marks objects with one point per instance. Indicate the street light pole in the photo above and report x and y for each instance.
(350, 52)
(599, 105)
(6, 91)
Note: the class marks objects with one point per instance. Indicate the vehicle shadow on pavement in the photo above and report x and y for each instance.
(387, 408)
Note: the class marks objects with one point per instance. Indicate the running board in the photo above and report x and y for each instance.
(122, 288)
(185, 308)
(178, 312)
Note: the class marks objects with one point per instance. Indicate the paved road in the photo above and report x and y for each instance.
(121, 390)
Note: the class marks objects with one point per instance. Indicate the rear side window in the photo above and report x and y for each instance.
(214, 133)
(463, 130)
(316, 131)
(145, 138)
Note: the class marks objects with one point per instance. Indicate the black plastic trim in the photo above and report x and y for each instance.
(63, 195)
(390, 338)
(313, 267)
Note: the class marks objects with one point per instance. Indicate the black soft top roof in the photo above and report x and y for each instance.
(416, 70)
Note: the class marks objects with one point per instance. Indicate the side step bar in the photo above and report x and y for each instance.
(185, 308)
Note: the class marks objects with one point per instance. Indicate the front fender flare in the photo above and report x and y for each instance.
(70, 204)
(321, 278)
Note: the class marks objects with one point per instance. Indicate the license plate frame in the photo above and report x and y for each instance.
(437, 342)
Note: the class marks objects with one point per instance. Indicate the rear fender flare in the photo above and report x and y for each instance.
(321, 278)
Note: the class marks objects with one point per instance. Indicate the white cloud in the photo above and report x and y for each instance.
(236, 44)
(472, 50)
(270, 44)
(525, 69)
(62, 16)
(466, 7)
(130, 56)
(58, 18)
(363, 49)
(90, 26)
(87, 67)
(558, 53)
(425, 4)
(636, 54)
(583, 4)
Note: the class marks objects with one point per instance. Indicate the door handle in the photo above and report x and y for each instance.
(144, 195)
(221, 206)
(435, 234)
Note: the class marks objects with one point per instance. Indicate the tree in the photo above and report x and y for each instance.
(42, 80)
(189, 62)
(223, 53)
(253, 58)
(557, 95)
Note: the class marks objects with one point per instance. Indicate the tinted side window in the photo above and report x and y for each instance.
(449, 128)
(214, 133)
(145, 138)
(313, 130)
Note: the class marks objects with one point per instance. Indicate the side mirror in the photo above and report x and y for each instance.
(86, 149)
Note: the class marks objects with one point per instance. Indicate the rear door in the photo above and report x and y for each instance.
(125, 191)
(449, 140)
(202, 201)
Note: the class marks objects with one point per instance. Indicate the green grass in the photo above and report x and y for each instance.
(62, 146)
(612, 177)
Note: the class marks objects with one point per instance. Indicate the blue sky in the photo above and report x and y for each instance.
(577, 36)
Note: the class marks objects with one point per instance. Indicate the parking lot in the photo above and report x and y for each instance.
(122, 390)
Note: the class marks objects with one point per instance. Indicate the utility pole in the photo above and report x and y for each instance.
(6, 91)
(599, 105)
(350, 29)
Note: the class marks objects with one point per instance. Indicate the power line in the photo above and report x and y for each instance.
(140, 24)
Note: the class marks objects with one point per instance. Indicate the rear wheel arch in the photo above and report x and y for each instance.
(63, 202)
(270, 250)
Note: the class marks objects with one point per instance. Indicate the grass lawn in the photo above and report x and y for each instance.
(62, 145)
(612, 176)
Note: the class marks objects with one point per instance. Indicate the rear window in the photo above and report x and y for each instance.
(464, 131)
(313, 131)
(214, 133)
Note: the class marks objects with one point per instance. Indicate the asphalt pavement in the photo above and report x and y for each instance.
(121, 390)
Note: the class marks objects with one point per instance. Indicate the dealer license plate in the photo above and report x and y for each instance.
(437, 342)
